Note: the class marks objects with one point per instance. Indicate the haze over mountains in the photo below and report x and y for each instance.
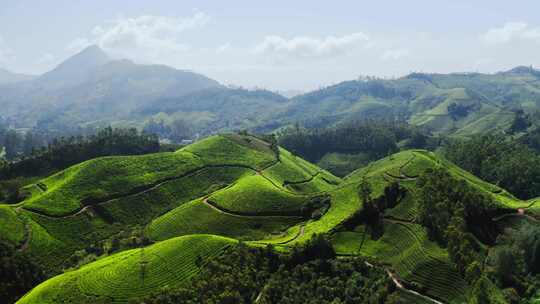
(7, 77)
(91, 89)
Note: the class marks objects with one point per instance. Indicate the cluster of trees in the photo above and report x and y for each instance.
(515, 262)
(456, 110)
(176, 131)
(66, 151)
(14, 144)
(458, 217)
(373, 139)
(310, 274)
(18, 273)
(500, 160)
(124, 240)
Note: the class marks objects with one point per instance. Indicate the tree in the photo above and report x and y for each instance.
(18, 274)
(519, 123)
(499, 160)
(180, 130)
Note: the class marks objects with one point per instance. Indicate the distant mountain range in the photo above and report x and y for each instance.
(91, 89)
(458, 103)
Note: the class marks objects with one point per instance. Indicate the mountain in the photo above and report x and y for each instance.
(74, 70)
(458, 103)
(7, 77)
(196, 202)
(220, 108)
(91, 88)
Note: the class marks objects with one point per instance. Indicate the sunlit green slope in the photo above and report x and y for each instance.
(233, 186)
(131, 273)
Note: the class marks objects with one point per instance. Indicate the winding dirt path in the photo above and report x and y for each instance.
(222, 210)
(27, 237)
(400, 286)
(297, 236)
(402, 176)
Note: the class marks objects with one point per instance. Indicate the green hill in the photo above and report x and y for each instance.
(193, 203)
(457, 103)
(131, 273)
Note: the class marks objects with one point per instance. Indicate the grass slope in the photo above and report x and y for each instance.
(131, 273)
(233, 186)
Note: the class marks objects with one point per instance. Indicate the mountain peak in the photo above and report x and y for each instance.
(76, 68)
(92, 51)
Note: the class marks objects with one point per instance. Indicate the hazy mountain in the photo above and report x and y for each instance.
(222, 108)
(74, 70)
(7, 77)
(90, 87)
(458, 103)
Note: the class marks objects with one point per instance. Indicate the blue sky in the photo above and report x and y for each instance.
(277, 44)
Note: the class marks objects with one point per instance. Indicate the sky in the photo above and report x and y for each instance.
(278, 45)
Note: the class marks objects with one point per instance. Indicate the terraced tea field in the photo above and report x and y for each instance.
(207, 196)
(131, 273)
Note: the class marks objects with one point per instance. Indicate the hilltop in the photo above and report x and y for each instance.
(190, 205)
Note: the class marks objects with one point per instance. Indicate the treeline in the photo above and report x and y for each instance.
(309, 274)
(366, 140)
(67, 151)
(18, 273)
(14, 144)
(513, 164)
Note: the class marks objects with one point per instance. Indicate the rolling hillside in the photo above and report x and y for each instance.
(458, 103)
(193, 203)
(92, 90)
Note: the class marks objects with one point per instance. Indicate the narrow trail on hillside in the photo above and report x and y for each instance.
(222, 210)
(294, 238)
(399, 285)
(26, 239)
(313, 176)
(402, 175)
(517, 214)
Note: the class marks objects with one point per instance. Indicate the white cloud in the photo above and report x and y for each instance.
(223, 48)
(395, 54)
(304, 46)
(147, 33)
(511, 31)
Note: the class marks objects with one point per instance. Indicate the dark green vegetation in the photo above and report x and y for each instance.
(506, 162)
(347, 147)
(18, 273)
(65, 152)
(121, 228)
(248, 275)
